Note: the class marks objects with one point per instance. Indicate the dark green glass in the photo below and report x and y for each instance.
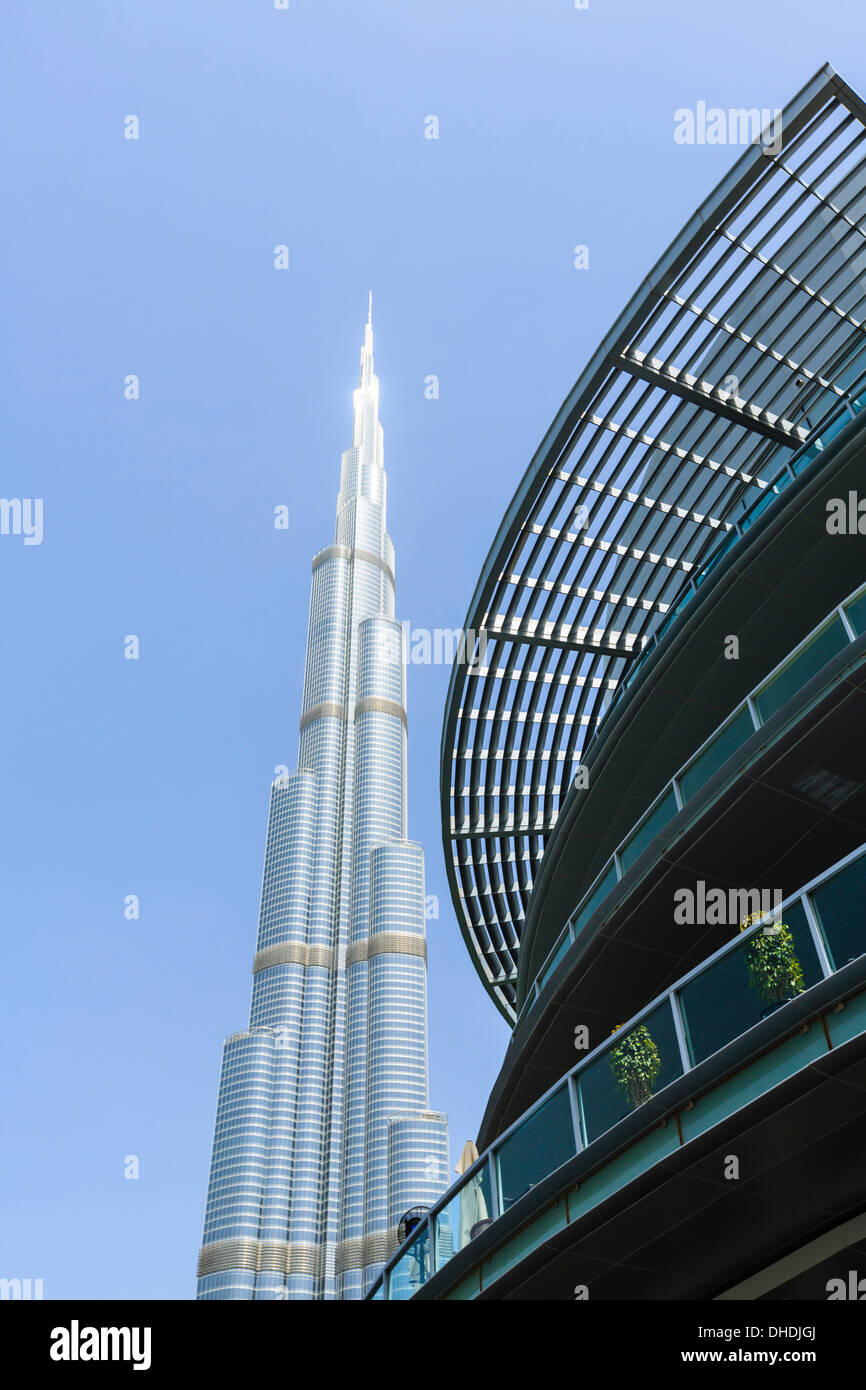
(538, 1147)
(717, 752)
(636, 1067)
(741, 989)
(648, 829)
(801, 670)
(857, 614)
(606, 882)
(560, 951)
(840, 905)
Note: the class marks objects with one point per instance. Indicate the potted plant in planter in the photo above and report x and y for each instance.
(635, 1064)
(774, 970)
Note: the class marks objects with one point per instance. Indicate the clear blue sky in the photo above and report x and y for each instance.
(155, 257)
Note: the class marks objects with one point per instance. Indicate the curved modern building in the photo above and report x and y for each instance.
(654, 786)
(323, 1136)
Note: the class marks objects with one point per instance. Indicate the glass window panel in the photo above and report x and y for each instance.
(629, 1073)
(564, 943)
(598, 894)
(635, 666)
(804, 666)
(541, 1145)
(379, 1294)
(840, 904)
(750, 983)
(464, 1217)
(835, 427)
(527, 1004)
(714, 559)
(648, 829)
(767, 496)
(751, 497)
(708, 762)
(413, 1268)
(672, 617)
(857, 614)
(798, 464)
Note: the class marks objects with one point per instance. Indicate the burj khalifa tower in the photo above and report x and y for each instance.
(323, 1137)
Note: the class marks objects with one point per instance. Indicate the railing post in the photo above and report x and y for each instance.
(680, 1030)
(847, 624)
(817, 936)
(431, 1244)
(574, 1101)
(494, 1185)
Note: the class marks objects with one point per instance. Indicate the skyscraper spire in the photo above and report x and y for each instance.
(367, 349)
(323, 1137)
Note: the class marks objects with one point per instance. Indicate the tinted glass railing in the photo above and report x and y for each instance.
(769, 963)
(464, 1216)
(831, 636)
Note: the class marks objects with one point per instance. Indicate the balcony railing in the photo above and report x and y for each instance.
(818, 930)
(844, 625)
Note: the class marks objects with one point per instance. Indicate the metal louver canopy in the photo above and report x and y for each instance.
(746, 332)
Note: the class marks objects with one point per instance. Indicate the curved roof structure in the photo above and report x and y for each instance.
(744, 336)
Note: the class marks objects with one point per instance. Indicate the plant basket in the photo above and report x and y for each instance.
(635, 1064)
(775, 972)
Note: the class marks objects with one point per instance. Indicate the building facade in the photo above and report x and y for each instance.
(323, 1137)
(654, 788)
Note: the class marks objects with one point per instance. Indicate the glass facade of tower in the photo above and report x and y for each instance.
(323, 1138)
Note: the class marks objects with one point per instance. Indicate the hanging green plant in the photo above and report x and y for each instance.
(774, 970)
(635, 1064)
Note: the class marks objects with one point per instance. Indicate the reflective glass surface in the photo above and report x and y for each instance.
(464, 1217)
(717, 752)
(840, 905)
(857, 614)
(750, 983)
(562, 947)
(804, 666)
(412, 1269)
(605, 883)
(641, 1062)
(648, 829)
(538, 1147)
